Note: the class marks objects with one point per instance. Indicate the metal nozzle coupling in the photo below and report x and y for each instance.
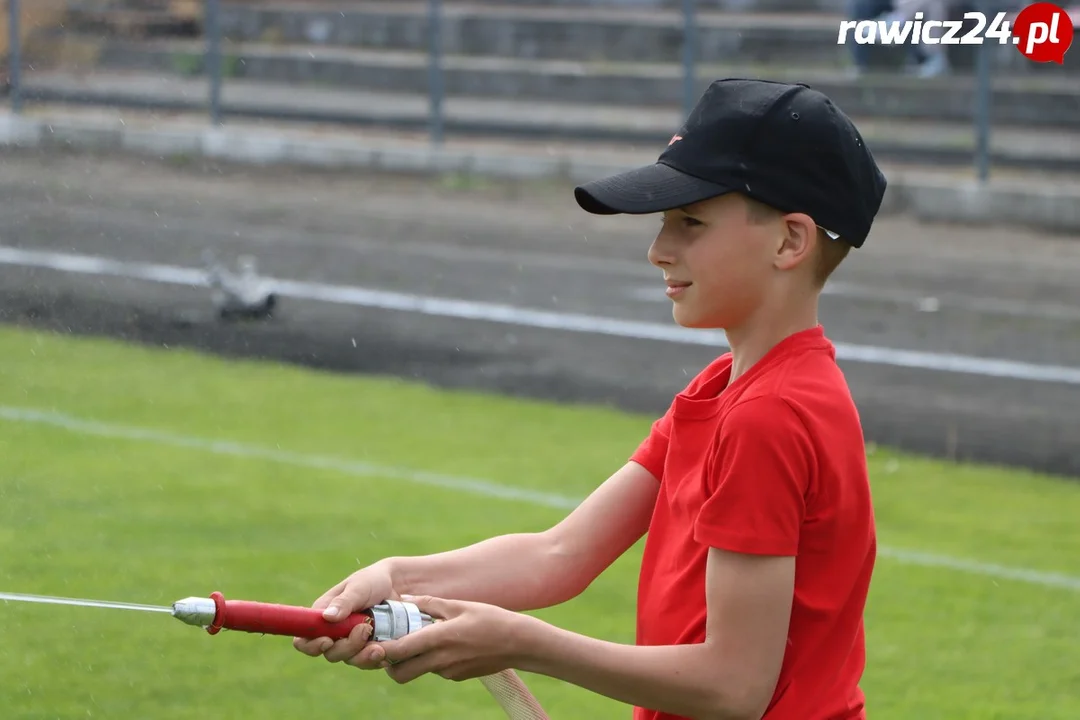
(394, 619)
(199, 611)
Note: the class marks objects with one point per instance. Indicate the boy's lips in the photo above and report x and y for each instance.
(676, 288)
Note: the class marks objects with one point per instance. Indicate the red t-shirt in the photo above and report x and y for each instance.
(773, 464)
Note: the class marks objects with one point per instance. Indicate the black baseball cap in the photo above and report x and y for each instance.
(786, 145)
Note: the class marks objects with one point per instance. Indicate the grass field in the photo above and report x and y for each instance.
(98, 510)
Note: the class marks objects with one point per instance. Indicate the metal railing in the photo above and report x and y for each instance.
(213, 58)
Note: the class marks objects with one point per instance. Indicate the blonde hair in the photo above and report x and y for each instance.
(830, 252)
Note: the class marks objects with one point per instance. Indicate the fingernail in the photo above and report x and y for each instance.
(331, 611)
(408, 598)
(327, 644)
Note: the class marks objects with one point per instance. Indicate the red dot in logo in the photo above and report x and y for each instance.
(1043, 32)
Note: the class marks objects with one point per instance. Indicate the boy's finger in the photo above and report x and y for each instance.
(303, 645)
(435, 607)
(329, 595)
(352, 598)
(348, 647)
(370, 658)
(313, 647)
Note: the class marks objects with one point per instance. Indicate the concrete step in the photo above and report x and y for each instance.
(765, 6)
(185, 8)
(1025, 101)
(585, 33)
(930, 143)
(132, 19)
(589, 34)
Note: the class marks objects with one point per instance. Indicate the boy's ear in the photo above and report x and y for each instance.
(798, 241)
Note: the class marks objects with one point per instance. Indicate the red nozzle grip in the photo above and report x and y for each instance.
(289, 620)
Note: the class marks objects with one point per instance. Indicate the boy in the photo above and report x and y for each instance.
(752, 487)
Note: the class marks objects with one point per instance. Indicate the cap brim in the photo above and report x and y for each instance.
(649, 189)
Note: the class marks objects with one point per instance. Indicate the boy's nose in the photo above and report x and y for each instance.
(660, 252)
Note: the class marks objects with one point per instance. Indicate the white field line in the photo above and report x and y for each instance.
(571, 322)
(460, 484)
(921, 301)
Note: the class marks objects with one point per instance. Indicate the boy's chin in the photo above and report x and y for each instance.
(694, 321)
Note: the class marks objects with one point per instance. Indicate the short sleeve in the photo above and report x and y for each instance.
(652, 452)
(758, 481)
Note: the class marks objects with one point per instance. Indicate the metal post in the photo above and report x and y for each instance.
(436, 88)
(689, 56)
(213, 58)
(983, 90)
(14, 56)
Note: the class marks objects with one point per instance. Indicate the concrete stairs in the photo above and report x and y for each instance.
(135, 18)
(574, 69)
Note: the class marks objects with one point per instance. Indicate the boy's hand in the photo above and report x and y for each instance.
(469, 640)
(360, 591)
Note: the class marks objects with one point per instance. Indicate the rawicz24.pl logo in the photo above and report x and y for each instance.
(1042, 32)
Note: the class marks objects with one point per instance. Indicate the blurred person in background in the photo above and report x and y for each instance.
(925, 60)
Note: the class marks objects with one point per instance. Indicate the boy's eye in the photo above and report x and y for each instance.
(684, 220)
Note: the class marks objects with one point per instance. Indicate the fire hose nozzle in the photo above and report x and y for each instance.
(389, 620)
(198, 611)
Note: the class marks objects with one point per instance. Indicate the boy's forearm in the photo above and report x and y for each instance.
(683, 680)
(518, 572)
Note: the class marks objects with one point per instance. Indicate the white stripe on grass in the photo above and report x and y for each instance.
(461, 484)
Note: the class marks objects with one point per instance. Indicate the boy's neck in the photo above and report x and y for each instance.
(752, 341)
